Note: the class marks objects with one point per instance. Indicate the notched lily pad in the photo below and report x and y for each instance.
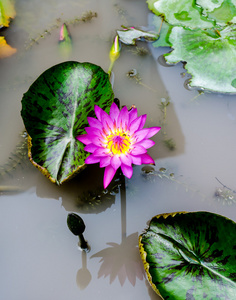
(55, 111)
(222, 11)
(210, 56)
(129, 35)
(190, 256)
(180, 13)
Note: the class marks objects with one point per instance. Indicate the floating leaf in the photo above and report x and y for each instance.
(164, 30)
(180, 13)
(210, 56)
(130, 35)
(5, 49)
(55, 111)
(190, 256)
(222, 11)
(7, 11)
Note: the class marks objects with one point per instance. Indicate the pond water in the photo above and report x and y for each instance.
(40, 258)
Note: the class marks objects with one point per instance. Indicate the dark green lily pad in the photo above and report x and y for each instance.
(180, 13)
(210, 56)
(130, 35)
(190, 256)
(55, 111)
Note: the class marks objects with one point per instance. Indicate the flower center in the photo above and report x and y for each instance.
(118, 143)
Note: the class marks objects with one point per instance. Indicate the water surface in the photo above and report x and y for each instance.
(39, 255)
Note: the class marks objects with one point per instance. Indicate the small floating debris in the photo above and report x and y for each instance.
(162, 170)
(148, 170)
(132, 73)
(225, 196)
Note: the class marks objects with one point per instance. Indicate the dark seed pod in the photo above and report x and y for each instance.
(75, 224)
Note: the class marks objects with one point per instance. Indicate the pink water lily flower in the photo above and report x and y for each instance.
(117, 140)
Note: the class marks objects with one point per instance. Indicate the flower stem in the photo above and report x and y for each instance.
(123, 205)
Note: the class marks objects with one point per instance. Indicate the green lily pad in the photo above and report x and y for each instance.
(130, 35)
(164, 30)
(7, 11)
(180, 13)
(55, 111)
(190, 256)
(222, 11)
(210, 56)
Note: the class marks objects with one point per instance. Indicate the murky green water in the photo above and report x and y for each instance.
(39, 255)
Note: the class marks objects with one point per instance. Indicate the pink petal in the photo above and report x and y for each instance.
(115, 162)
(108, 175)
(126, 159)
(137, 160)
(134, 125)
(84, 139)
(100, 151)
(123, 118)
(147, 159)
(95, 140)
(137, 150)
(90, 148)
(133, 114)
(141, 135)
(127, 171)
(152, 131)
(144, 118)
(94, 123)
(146, 143)
(98, 111)
(93, 131)
(105, 161)
(91, 159)
(114, 112)
(107, 123)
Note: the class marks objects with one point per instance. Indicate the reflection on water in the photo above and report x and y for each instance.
(83, 276)
(38, 252)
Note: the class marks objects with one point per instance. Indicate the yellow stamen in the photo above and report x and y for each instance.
(118, 142)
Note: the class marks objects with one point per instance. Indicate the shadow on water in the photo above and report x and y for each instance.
(122, 260)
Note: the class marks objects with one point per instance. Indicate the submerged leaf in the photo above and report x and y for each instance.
(55, 111)
(190, 256)
(130, 35)
(5, 49)
(7, 11)
(210, 56)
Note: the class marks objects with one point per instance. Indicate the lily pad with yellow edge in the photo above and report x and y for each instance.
(190, 256)
(55, 111)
